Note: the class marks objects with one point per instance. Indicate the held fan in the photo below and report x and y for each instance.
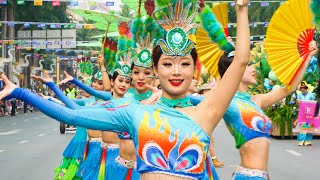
(288, 36)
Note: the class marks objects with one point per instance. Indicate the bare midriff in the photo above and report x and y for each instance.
(158, 176)
(127, 150)
(110, 137)
(255, 154)
(94, 133)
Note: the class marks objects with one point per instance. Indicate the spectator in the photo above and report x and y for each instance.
(305, 95)
(13, 106)
(1, 84)
(71, 91)
(305, 138)
(3, 107)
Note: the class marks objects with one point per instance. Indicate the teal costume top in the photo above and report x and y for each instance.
(132, 93)
(246, 120)
(167, 141)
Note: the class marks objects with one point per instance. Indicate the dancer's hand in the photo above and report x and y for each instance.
(313, 48)
(46, 78)
(101, 62)
(67, 79)
(156, 95)
(242, 2)
(8, 88)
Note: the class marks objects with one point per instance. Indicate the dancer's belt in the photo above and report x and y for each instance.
(127, 163)
(252, 172)
(109, 146)
(95, 139)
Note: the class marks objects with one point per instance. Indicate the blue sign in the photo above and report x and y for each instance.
(73, 3)
(109, 3)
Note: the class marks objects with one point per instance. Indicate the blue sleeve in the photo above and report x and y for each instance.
(106, 96)
(61, 96)
(195, 100)
(80, 102)
(105, 119)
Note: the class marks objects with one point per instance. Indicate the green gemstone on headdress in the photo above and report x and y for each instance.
(126, 69)
(177, 40)
(98, 75)
(144, 56)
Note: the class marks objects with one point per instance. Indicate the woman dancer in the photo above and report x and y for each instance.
(171, 142)
(76, 148)
(247, 122)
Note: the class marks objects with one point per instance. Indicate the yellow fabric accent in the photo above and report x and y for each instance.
(285, 27)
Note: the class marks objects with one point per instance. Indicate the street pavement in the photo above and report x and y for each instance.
(31, 147)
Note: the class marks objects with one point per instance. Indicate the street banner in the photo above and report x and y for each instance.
(306, 120)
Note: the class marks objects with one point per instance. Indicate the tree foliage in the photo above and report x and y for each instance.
(44, 13)
(256, 14)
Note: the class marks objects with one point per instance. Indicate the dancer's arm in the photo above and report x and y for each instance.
(106, 96)
(105, 76)
(266, 100)
(61, 96)
(215, 104)
(98, 119)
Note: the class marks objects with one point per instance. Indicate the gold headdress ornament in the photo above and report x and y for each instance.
(177, 25)
(143, 50)
(124, 65)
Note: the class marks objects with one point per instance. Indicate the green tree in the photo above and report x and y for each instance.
(256, 14)
(44, 13)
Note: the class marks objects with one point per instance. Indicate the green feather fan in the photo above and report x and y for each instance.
(215, 30)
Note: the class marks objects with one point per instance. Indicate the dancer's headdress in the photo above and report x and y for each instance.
(85, 70)
(178, 25)
(144, 35)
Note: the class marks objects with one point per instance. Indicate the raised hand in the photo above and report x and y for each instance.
(46, 78)
(8, 88)
(242, 2)
(67, 79)
(313, 48)
(101, 62)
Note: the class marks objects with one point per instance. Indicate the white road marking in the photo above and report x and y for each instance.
(293, 152)
(35, 118)
(13, 124)
(26, 120)
(15, 131)
(1, 150)
(234, 166)
(22, 142)
(55, 129)
(43, 116)
(41, 135)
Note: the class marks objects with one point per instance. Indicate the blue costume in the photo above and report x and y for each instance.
(169, 141)
(73, 154)
(245, 121)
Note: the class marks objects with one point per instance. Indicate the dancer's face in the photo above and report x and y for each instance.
(249, 76)
(139, 78)
(175, 75)
(97, 85)
(120, 85)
